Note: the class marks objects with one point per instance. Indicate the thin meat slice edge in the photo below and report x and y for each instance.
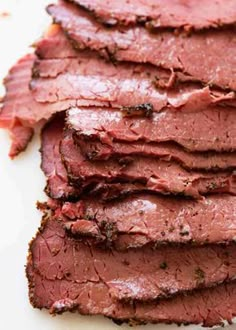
(57, 186)
(140, 174)
(150, 219)
(210, 129)
(96, 150)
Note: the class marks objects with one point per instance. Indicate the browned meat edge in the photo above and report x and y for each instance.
(90, 295)
(150, 219)
(159, 14)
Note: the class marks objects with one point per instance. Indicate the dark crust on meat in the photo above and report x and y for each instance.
(29, 260)
(68, 304)
(94, 150)
(140, 110)
(123, 182)
(106, 53)
(108, 232)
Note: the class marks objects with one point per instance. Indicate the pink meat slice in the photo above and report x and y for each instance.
(86, 76)
(200, 56)
(58, 186)
(162, 14)
(142, 174)
(20, 113)
(210, 129)
(139, 274)
(96, 150)
(56, 284)
(143, 219)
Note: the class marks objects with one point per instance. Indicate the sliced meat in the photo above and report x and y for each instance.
(200, 56)
(138, 220)
(18, 104)
(20, 136)
(57, 183)
(162, 14)
(96, 150)
(55, 283)
(212, 129)
(91, 79)
(150, 174)
(20, 112)
(85, 76)
(138, 274)
(54, 44)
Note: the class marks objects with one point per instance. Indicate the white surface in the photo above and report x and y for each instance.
(21, 186)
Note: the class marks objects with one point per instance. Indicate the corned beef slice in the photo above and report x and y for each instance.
(20, 112)
(87, 287)
(90, 78)
(96, 150)
(52, 166)
(150, 174)
(200, 56)
(54, 44)
(124, 273)
(150, 112)
(20, 137)
(162, 14)
(142, 219)
(86, 76)
(211, 129)
(18, 104)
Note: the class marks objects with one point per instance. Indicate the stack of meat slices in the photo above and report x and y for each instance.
(140, 158)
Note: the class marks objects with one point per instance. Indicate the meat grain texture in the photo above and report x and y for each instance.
(200, 57)
(70, 266)
(156, 13)
(138, 146)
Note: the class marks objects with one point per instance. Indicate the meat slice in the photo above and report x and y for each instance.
(55, 283)
(150, 174)
(20, 113)
(57, 183)
(96, 150)
(159, 14)
(91, 79)
(143, 219)
(86, 76)
(18, 100)
(212, 129)
(20, 136)
(138, 274)
(54, 44)
(200, 56)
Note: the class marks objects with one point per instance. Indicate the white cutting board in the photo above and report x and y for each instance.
(21, 185)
